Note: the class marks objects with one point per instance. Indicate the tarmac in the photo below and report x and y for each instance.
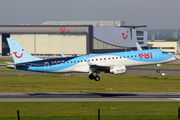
(104, 96)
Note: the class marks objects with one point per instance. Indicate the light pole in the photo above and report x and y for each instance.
(158, 38)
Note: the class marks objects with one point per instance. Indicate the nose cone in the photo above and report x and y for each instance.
(174, 58)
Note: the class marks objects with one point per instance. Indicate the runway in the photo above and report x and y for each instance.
(61, 96)
(130, 70)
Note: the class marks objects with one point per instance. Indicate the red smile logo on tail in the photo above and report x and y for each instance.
(15, 53)
(126, 35)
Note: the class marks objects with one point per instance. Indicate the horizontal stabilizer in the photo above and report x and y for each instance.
(10, 63)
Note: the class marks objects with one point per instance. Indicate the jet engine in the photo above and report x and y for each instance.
(118, 70)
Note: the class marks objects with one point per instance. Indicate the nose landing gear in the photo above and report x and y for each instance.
(158, 71)
(157, 68)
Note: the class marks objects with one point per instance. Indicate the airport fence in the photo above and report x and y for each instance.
(100, 114)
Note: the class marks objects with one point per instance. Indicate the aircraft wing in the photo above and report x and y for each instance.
(113, 69)
(95, 67)
(100, 67)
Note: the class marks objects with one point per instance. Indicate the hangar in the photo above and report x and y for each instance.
(52, 40)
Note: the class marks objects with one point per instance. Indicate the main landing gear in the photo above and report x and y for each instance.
(92, 77)
(157, 68)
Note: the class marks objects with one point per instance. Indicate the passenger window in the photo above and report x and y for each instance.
(109, 58)
(131, 56)
(71, 61)
(120, 57)
(127, 56)
(116, 57)
(74, 61)
(100, 58)
(104, 58)
(124, 57)
(96, 59)
(92, 59)
(84, 60)
(113, 58)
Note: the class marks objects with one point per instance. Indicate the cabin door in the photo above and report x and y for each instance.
(46, 65)
(155, 56)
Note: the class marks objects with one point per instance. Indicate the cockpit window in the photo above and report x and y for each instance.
(164, 53)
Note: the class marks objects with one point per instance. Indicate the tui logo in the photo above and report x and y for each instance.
(146, 55)
(64, 29)
(15, 53)
(126, 35)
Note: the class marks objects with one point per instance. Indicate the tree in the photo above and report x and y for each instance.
(171, 39)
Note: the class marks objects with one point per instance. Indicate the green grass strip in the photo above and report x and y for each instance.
(2, 61)
(81, 83)
(89, 110)
(4, 69)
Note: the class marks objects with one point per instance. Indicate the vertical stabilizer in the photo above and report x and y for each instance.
(20, 55)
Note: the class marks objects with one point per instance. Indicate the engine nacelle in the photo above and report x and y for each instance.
(118, 70)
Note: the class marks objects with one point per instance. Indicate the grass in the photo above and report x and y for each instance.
(2, 61)
(4, 69)
(89, 110)
(81, 83)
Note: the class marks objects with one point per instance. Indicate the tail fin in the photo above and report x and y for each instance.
(20, 55)
(138, 46)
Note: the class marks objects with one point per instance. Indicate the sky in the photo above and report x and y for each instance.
(156, 14)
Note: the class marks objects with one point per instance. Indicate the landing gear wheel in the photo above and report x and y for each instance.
(91, 76)
(96, 78)
(158, 71)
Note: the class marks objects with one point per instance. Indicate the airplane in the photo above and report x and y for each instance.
(113, 63)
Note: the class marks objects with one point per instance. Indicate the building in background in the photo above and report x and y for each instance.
(93, 23)
(173, 47)
(52, 40)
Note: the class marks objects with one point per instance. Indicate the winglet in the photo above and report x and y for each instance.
(88, 62)
(19, 53)
(138, 46)
(63, 55)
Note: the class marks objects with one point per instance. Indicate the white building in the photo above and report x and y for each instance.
(173, 47)
(51, 40)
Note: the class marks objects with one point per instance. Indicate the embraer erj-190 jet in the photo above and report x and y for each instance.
(113, 63)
